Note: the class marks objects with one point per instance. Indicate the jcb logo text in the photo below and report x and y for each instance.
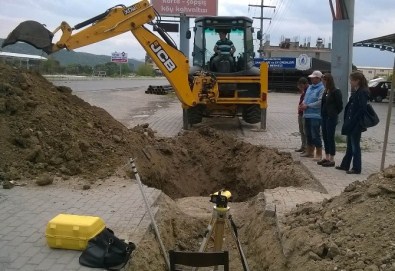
(163, 56)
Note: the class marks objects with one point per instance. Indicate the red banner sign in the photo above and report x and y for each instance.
(191, 8)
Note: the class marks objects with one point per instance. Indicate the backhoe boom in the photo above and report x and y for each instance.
(115, 21)
(215, 85)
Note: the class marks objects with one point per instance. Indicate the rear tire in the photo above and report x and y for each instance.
(251, 114)
(378, 99)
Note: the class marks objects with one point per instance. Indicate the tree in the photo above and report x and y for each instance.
(125, 69)
(50, 66)
(145, 70)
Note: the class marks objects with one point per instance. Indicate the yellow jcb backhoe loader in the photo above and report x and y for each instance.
(230, 88)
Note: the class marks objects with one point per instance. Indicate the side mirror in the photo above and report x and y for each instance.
(259, 35)
(252, 30)
(188, 34)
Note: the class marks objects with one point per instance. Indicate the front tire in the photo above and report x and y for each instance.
(251, 113)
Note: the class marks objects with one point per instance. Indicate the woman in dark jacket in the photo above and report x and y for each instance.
(353, 114)
(332, 105)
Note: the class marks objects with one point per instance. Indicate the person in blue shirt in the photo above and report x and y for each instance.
(311, 107)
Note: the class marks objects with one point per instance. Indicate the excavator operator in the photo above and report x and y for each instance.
(224, 50)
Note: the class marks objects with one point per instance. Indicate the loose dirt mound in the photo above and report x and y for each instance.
(45, 129)
(354, 231)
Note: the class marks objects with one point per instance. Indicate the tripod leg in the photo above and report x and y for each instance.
(207, 235)
(233, 229)
(219, 234)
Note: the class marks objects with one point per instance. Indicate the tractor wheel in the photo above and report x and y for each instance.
(251, 114)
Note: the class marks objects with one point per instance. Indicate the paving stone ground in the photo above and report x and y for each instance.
(25, 211)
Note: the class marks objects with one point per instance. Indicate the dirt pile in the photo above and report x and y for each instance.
(354, 231)
(47, 130)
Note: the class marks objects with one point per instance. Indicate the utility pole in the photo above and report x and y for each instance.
(261, 19)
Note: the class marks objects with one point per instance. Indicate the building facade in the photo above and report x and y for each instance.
(376, 72)
(288, 48)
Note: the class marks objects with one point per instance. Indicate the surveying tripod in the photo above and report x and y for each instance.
(216, 227)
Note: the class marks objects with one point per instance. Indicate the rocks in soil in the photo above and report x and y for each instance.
(45, 179)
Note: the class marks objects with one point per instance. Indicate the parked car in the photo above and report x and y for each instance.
(379, 90)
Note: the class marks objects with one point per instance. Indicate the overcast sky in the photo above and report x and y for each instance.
(294, 19)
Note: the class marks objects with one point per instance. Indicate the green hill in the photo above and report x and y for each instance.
(65, 57)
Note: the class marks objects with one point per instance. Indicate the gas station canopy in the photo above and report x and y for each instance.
(384, 43)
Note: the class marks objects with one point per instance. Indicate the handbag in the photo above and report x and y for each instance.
(105, 250)
(370, 117)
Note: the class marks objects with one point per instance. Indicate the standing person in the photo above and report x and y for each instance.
(352, 128)
(332, 105)
(302, 86)
(311, 107)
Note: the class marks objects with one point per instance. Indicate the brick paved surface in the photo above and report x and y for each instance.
(25, 211)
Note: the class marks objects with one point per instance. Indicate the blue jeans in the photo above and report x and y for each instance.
(353, 152)
(328, 134)
(313, 136)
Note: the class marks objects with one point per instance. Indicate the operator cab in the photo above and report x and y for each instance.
(238, 30)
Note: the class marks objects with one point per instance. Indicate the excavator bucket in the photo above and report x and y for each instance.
(31, 32)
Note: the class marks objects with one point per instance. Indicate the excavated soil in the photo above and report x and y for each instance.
(353, 231)
(46, 130)
(48, 133)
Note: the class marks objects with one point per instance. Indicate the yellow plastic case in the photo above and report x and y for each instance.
(72, 231)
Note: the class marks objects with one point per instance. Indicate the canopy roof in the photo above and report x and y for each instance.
(384, 43)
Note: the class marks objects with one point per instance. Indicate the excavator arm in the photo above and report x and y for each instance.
(115, 21)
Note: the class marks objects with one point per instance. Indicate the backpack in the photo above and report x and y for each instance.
(105, 250)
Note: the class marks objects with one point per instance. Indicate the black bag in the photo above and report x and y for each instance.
(370, 117)
(105, 250)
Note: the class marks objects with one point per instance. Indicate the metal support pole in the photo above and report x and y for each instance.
(184, 42)
(263, 119)
(387, 125)
(341, 57)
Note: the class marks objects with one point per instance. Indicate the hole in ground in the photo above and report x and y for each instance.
(205, 160)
